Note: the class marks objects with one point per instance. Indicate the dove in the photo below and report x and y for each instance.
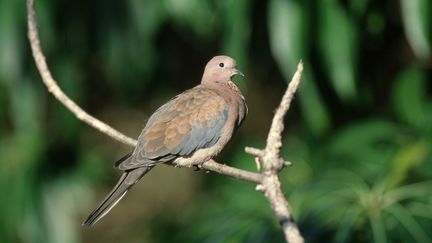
(190, 129)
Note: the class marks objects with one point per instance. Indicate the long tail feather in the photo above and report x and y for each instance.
(127, 180)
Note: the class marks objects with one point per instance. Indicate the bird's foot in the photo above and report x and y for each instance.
(197, 167)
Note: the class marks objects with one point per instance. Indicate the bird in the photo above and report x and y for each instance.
(188, 130)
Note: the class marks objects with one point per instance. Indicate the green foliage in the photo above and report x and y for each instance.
(410, 98)
(288, 38)
(339, 54)
(416, 19)
(359, 136)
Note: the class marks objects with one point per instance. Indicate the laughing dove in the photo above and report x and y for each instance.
(188, 130)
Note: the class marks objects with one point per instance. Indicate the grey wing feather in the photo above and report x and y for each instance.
(202, 137)
(203, 133)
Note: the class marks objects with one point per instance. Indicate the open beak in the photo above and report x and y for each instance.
(237, 72)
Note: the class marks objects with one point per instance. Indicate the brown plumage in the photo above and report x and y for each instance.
(190, 129)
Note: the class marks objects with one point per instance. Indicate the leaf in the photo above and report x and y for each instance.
(378, 229)
(360, 134)
(25, 111)
(237, 31)
(347, 224)
(410, 224)
(287, 29)
(415, 20)
(338, 45)
(62, 200)
(195, 14)
(10, 43)
(404, 160)
(420, 209)
(409, 97)
(286, 33)
(365, 146)
(314, 110)
(408, 191)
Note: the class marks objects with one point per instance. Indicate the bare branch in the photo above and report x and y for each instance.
(53, 87)
(254, 151)
(274, 139)
(231, 171)
(273, 192)
(272, 163)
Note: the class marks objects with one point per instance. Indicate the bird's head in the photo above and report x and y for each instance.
(220, 69)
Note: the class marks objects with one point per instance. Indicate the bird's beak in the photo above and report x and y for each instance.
(237, 72)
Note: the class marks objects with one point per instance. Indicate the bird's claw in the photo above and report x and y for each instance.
(197, 167)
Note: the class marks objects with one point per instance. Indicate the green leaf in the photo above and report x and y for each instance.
(237, 31)
(420, 209)
(361, 134)
(410, 224)
(409, 97)
(347, 224)
(63, 199)
(378, 229)
(25, 111)
(287, 36)
(287, 29)
(408, 191)
(315, 112)
(10, 43)
(195, 14)
(415, 20)
(404, 160)
(365, 146)
(338, 45)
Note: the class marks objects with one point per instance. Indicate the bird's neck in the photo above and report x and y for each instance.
(226, 85)
(234, 88)
(232, 94)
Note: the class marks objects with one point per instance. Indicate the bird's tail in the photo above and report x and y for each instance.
(128, 179)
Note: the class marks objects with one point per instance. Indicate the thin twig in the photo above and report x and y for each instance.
(231, 171)
(53, 87)
(254, 151)
(274, 139)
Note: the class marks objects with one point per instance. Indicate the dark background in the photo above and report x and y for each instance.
(358, 134)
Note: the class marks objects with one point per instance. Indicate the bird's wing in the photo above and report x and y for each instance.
(190, 121)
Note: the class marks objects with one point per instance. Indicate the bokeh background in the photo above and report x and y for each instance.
(359, 133)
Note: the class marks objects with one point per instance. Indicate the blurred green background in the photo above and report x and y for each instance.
(359, 133)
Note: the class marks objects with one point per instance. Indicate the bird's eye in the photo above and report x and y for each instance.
(221, 64)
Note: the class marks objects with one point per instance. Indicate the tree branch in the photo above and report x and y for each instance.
(267, 181)
(53, 87)
(214, 166)
(272, 163)
(274, 142)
